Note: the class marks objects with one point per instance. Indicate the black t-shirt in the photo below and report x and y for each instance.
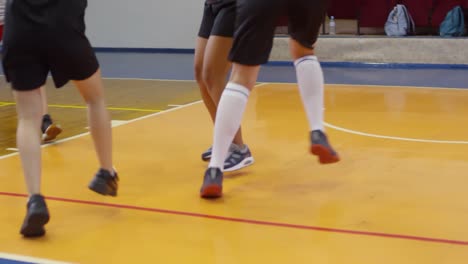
(50, 13)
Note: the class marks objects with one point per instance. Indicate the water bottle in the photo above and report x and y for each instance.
(332, 28)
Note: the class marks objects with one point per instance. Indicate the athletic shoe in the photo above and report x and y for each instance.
(206, 156)
(104, 183)
(36, 217)
(238, 158)
(212, 184)
(50, 131)
(321, 148)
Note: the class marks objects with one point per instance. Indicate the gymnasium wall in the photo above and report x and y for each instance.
(174, 24)
(144, 23)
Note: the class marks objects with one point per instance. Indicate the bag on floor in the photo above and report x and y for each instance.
(399, 22)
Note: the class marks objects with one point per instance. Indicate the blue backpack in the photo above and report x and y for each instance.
(453, 24)
(399, 22)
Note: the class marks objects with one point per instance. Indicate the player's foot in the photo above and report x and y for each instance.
(321, 148)
(212, 184)
(206, 156)
(105, 183)
(238, 158)
(37, 216)
(50, 131)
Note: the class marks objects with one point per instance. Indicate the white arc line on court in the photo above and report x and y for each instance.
(395, 138)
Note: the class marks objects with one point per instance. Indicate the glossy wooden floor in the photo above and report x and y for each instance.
(127, 99)
(398, 196)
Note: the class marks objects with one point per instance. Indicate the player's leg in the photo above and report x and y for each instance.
(28, 106)
(202, 39)
(198, 69)
(305, 20)
(49, 129)
(72, 58)
(252, 45)
(215, 71)
(26, 71)
(92, 90)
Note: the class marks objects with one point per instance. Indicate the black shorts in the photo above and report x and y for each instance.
(218, 19)
(256, 22)
(37, 42)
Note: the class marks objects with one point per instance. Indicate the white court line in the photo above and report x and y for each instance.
(29, 259)
(173, 105)
(12, 149)
(119, 124)
(259, 85)
(114, 125)
(394, 138)
(8, 155)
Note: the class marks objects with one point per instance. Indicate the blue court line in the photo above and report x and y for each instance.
(177, 64)
(10, 261)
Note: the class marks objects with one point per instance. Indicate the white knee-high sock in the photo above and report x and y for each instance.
(228, 119)
(311, 85)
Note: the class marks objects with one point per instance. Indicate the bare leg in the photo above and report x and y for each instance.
(92, 91)
(45, 107)
(198, 65)
(28, 107)
(28, 137)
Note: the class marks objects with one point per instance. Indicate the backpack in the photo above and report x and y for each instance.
(399, 22)
(453, 24)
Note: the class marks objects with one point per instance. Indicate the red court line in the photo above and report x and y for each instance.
(253, 222)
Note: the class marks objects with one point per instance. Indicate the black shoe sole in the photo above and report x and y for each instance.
(34, 225)
(102, 188)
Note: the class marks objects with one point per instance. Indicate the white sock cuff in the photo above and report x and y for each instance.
(305, 58)
(237, 89)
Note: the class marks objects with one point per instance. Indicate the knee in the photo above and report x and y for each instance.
(298, 50)
(198, 71)
(210, 77)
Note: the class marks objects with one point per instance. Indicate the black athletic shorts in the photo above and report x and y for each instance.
(46, 36)
(256, 22)
(218, 19)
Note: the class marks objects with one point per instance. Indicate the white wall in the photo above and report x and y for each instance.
(143, 23)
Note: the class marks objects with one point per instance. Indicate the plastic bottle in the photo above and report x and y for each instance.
(332, 28)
